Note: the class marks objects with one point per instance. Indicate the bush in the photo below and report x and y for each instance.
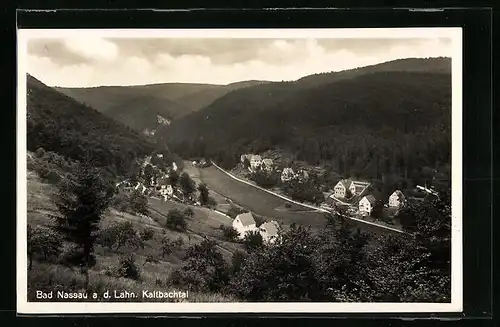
(176, 220)
(211, 202)
(74, 257)
(119, 235)
(188, 212)
(40, 152)
(230, 233)
(168, 246)
(42, 242)
(234, 211)
(53, 177)
(128, 267)
(253, 241)
(147, 234)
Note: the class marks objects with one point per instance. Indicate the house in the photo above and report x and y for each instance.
(166, 190)
(267, 164)
(174, 166)
(396, 199)
(358, 187)
(287, 175)
(340, 189)
(141, 188)
(255, 162)
(245, 156)
(244, 223)
(269, 231)
(354, 187)
(302, 175)
(366, 204)
(159, 155)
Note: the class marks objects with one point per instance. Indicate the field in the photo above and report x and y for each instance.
(268, 205)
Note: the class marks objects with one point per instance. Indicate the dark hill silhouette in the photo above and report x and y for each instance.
(58, 123)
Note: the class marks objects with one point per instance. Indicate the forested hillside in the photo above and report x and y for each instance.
(370, 126)
(60, 124)
(138, 105)
(416, 65)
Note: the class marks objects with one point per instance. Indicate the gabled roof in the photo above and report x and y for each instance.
(287, 170)
(359, 188)
(257, 157)
(246, 218)
(268, 161)
(371, 199)
(270, 227)
(346, 182)
(399, 194)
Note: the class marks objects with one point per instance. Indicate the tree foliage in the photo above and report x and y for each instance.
(81, 203)
(204, 195)
(60, 124)
(204, 268)
(176, 220)
(187, 185)
(346, 125)
(253, 240)
(342, 264)
(43, 242)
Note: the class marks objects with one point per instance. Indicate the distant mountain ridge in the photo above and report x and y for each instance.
(137, 105)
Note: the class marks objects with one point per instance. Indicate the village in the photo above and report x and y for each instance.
(356, 199)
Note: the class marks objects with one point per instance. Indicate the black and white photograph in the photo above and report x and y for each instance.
(239, 170)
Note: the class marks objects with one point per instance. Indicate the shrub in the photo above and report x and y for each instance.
(147, 234)
(188, 212)
(74, 257)
(128, 267)
(204, 268)
(176, 220)
(43, 242)
(53, 177)
(40, 152)
(234, 211)
(230, 233)
(253, 240)
(150, 258)
(168, 246)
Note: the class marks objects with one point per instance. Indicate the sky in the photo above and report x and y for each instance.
(87, 61)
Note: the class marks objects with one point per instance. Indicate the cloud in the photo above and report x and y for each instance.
(83, 61)
(92, 48)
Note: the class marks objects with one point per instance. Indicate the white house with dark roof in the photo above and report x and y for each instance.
(355, 187)
(244, 223)
(340, 189)
(396, 199)
(366, 204)
(255, 161)
(287, 175)
(269, 231)
(267, 164)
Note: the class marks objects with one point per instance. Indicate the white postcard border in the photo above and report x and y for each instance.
(456, 305)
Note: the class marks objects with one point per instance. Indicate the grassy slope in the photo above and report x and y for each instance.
(203, 223)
